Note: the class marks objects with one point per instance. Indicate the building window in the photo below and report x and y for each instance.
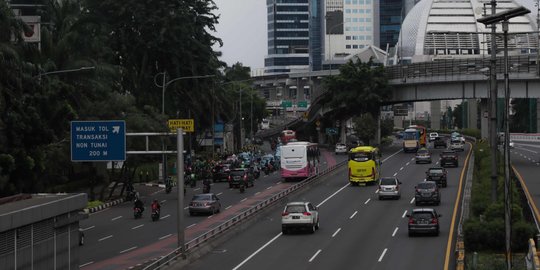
(347, 46)
(368, 19)
(347, 37)
(348, 11)
(355, 46)
(368, 37)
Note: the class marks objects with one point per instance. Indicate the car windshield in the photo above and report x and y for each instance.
(202, 197)
(388, 181)
(295, 209)
(340, 145)
(426, 185)
(435, 171)
(423, 152)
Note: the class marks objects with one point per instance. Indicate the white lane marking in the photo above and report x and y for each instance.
(412, 201)
(354, 214)
(191, 225)
(243, 200)
(164, 217)
(257, 251)
(105, 238)
(333, 194)
(408, 163)
(314, 255)
(257, 193)
(382, 255)
(185, 208)
(404, 214)
(163, 237)
(129, 249)
(367, 201)
(113, 219)
(412, 158)
(219, 193)
(436, 163)
(334, 235)
(195, 189)
(136, 227)
(209, 216)
(86, 264)
(269, 187)
(163, 201)
(88, 228)
(376, 191)
(395, 174)
(395, 231)
(228, 207)
(401, 168)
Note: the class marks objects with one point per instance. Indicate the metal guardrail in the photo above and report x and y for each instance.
(167, 259)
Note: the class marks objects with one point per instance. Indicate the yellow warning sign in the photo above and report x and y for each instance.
(186, 124)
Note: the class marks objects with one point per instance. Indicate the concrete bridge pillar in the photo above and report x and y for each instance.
(473, 114)
(484, 118)
(435, 114)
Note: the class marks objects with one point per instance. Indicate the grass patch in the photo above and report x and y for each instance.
(95, 203)
(493, 261)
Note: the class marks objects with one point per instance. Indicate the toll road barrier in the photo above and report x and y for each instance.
(531, 259)
(460, 255)
(199, 242)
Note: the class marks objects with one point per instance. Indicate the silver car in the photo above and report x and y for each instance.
(389, 188)
(423, 155)
(204, 203)
(297, 215)
(457, 145)
(341, 148)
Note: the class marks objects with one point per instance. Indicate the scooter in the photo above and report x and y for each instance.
(155, 215)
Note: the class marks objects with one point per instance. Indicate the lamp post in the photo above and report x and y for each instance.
(63, 71)
(164, 85)
(504, 17)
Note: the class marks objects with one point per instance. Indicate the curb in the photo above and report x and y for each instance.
(103, 206)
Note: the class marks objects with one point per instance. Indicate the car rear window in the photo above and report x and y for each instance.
(237, 172)
(422, 215)
(425, 185)
(436, 171)
(202, 197)
(388, 181)
(295, 209)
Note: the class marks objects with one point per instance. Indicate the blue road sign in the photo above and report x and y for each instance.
(98, 140)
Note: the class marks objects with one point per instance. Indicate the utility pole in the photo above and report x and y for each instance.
(493, 106)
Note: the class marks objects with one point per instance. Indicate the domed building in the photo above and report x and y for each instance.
(448, 29)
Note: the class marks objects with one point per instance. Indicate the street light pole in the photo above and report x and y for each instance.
(63, 71)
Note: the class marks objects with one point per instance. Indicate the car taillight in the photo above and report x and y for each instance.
(373, 172)
(307, 214)
(434, 221)
(245, 177)
(284, 214)
(411, 221)
(229, 178)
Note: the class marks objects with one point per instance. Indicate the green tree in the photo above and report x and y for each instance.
(365, 127)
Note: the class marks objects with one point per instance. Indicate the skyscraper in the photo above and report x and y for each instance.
(288, 36)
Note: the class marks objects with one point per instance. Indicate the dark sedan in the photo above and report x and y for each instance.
(221, 172)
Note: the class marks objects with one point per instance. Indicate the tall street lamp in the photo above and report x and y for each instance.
(493, 19)
(164, 86)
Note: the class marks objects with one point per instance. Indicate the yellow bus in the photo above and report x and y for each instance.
(364, 165)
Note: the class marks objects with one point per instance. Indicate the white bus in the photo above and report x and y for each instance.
(299, 160)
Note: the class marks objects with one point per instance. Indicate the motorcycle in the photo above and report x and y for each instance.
(193, 180)
(206, 188)
(155, 215)
(168, 185)
(242, 187)
(137, 212)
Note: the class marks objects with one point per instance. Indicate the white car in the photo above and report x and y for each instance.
(299, 215)
(457, 145)
(389, 188)
(511, 144)
(433, 135)
(341, 148)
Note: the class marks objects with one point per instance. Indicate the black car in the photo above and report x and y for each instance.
(423, 220)
(427, 192)
(241, 176)
(437, 175)
(439, 142)
(449, 157)
(221, 172)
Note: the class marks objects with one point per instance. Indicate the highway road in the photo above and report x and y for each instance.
(525, 158)
(357, 230)
(115, 240)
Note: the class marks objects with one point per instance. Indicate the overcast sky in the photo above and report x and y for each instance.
(242, 27)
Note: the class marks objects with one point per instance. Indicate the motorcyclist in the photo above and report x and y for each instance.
(156, 206)
(139, 204)
(206, 185)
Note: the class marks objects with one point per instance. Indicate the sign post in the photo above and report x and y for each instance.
(98, 141)
(187, 125)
